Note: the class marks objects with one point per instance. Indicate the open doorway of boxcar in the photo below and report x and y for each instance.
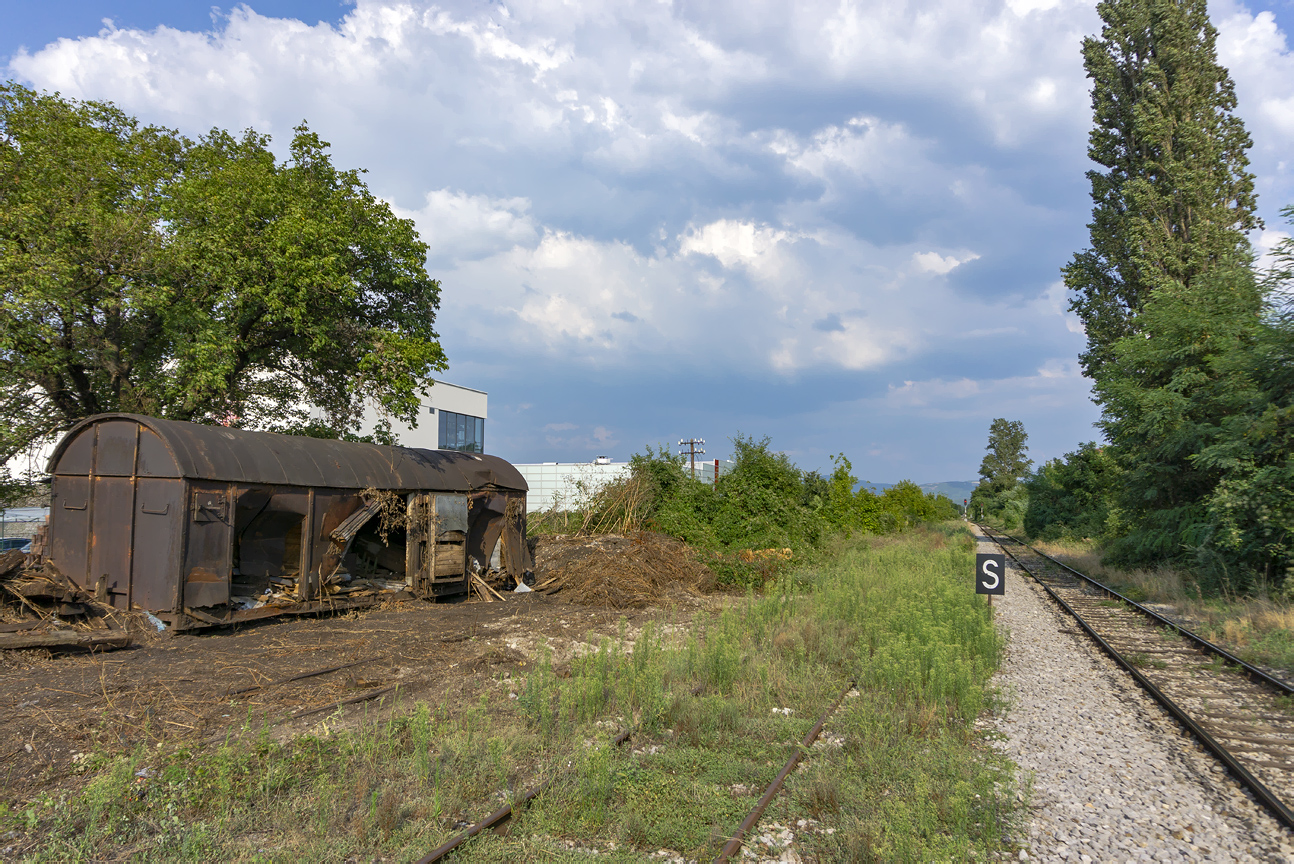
(268, 558)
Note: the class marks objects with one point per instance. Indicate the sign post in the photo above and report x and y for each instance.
(990, 574)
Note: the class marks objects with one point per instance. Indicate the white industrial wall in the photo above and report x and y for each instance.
(564, 484)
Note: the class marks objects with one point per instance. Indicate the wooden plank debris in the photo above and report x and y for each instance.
(64, 639)
(481, 582)
(11, 561)
(304, 675)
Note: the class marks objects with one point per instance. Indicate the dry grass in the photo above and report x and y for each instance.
(1157, 585)
(620, 572)
(619, 507)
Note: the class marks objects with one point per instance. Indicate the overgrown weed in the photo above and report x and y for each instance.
(901, 775)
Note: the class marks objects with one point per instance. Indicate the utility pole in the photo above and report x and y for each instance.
(693, 450)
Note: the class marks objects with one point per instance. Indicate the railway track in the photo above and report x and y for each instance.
(1239, 712)
(496, 820)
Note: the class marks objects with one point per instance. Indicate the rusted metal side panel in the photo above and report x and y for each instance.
(115, 452)
(78, 454)
(207, 565)
(69, 530)
(154, 459)
(112, 504)
(159, 519)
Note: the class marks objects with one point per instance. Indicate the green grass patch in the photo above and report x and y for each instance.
(903, 775)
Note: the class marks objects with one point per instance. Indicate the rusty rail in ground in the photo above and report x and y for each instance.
(733, 846)
(504, 813)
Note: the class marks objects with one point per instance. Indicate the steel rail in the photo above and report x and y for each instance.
(1250, 670)
(734, 843)
(1252, 783)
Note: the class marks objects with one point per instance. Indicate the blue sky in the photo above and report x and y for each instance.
(836, 224)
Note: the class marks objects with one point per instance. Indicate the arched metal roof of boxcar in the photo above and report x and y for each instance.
(242, 456)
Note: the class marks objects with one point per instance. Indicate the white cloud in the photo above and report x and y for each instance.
(734, 243)
(749, 192)
(1056, 384)
(1257, 54)
(457, 226)
(933, 262)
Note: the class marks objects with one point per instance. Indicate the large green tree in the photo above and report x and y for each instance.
(999, 497)
(1250, 512)
(1185, 383)
(1071, 497)
(1005, 463)
(1174, 197)
(197, 280)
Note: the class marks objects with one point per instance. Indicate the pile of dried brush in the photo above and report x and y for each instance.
(619, 571)
(39, 608)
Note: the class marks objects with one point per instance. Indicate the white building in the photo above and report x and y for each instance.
(568, 485)
(451, 418)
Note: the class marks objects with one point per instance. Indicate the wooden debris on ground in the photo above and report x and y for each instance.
(623, 572)
(39, 608)
(481, 584)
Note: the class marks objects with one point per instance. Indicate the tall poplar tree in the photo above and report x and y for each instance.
(1175, 197)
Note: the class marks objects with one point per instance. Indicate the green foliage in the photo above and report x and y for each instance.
(1251, 508)
(1187, 349)
(766, 502)
(1004, 508)
(1071, 497)
(1000, 498)
(1172, 395)
(758, 504)
(1176, 197)
(197, 280)
(1005, 462)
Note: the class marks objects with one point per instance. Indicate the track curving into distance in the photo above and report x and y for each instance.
(1242, 714)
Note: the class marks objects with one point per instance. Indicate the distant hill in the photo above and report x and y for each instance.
(957, 490)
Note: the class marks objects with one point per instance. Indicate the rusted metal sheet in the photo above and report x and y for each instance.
(110, 547)
(158, 535)
(214, 525)
(242, 456)
(70, 524)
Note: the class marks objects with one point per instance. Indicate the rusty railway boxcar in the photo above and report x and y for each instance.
(205, 525)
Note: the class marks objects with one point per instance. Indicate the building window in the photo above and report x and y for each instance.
(461, 432)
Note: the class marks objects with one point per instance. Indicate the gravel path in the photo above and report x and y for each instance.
(1113, 776)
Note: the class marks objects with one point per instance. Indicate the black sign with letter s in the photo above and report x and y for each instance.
(990, 573)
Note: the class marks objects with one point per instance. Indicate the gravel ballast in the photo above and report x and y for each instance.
(1112, 776)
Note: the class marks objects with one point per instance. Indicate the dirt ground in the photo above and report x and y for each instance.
(196, 689)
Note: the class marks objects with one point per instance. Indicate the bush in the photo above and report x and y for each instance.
(763, 502)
